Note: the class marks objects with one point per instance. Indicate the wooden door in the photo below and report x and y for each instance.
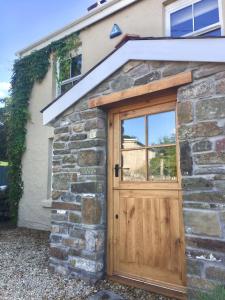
(145, 226)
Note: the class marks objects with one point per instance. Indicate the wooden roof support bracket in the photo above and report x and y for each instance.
(158, 85)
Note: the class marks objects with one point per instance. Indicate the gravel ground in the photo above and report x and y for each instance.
(24, 272)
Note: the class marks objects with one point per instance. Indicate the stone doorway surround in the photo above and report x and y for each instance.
(78, 238)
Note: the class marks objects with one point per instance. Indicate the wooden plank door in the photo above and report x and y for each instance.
(146, 239)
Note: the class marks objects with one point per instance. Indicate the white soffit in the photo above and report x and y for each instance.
(195, 50)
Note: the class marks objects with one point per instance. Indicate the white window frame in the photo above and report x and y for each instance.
(71, 79)
(177, 5)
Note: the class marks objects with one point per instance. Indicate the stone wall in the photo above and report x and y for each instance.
(201, 114)
(78, 215)
(79, 173)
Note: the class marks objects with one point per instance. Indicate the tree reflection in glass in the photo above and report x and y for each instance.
(148, 148)
(162, 163)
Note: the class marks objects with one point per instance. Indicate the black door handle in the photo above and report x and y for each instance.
(116, 168)
(117, 216)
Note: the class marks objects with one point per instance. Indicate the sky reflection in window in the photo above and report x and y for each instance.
(205, 13)
(181, 22)
(133, 132)
(194, 17)
(161, 128)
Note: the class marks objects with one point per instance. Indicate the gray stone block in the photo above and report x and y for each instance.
(155, 75)
(209, 109)
(202, 146)
(186, 163)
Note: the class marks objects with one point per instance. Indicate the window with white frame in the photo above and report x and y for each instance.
(70, 73)
(194, 17)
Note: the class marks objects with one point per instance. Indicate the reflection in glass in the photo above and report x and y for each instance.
(133, 165)
(181, 22)
(216, 32)
(133, 133)
(206, 12)
(161, 128)
(162, 163)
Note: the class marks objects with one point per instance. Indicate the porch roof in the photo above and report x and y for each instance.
(204, 49)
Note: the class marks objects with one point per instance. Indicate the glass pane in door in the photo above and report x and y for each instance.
(162, 164)
(133, 133)
(162, 128)
(134, 165)
(148, 151)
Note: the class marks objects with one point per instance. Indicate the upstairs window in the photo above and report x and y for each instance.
(70, 73)
(188, 17)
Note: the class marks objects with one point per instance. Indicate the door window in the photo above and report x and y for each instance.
(148, 148)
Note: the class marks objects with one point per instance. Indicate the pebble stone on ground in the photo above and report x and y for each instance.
(24, 273)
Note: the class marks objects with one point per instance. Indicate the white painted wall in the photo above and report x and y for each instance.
(32, 213)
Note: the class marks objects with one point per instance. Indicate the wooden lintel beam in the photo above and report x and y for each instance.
(158, 85)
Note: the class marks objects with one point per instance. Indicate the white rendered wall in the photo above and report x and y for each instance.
(32, 213)
(96, 44)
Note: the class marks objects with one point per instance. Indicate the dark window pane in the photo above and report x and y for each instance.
(76, 66)
(206, 13)
(216, 32)
(133, 133)
(134, 165)
(65, 87)
(162, 164)
(181, 22)
(161, 128)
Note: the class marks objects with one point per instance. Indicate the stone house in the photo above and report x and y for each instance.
(137, 17)
(103, 26)
(155, 221)
(163, 230)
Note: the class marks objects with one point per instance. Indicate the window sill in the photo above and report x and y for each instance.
(71, 79)
(65, 82)
(204, 30)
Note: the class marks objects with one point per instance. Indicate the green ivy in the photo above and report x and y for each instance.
(63, 54)
(3, 130)
(26, 72)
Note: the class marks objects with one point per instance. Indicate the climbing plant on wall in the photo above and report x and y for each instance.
(26, 72)
(3, 129)
(63, 53)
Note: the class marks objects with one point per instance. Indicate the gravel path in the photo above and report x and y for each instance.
(24, 272)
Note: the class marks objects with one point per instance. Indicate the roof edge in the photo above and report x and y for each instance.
(154, 49)
(98, 14)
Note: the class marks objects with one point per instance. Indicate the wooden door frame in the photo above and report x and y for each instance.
(168, 96)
